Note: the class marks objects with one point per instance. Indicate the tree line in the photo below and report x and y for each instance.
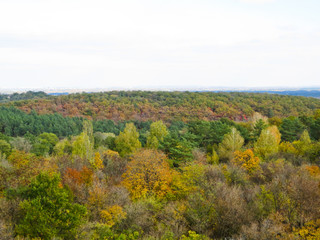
(170, 106)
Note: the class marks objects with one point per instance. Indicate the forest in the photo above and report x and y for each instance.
(160, 165)
(169, 106)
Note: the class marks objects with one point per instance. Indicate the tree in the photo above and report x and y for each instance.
(148, 173)
(158, 131)
(46, 210)
(304, 143)
(51, 138)
(247, 160)
(291, 128)
(268, 142)
(128, 141)
(83, 144)
(231, 142)
(21, 144)
(213, 157)
(178, 149)
(45, 143)
(63, 147)
(258, 127)
(5, 147)
(97, 161)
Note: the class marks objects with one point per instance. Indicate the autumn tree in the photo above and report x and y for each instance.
(231, 142)
(97, 162)
(128, 141)
(246, 160)
(148, 173)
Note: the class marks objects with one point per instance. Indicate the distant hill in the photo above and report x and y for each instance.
(304, 93)
(22, 96)
(170, 106)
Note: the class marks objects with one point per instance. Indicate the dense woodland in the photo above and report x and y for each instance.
(158, 165)
(169, 106)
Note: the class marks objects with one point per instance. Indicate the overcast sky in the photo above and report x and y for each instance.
(148, 43)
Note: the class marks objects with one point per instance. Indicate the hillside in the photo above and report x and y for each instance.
(169, 106)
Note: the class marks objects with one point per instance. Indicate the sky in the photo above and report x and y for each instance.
(138, 44)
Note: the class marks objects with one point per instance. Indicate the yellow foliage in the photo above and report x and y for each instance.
(148, 173)
(186, 182)
(246, 160)
(111, 153)
(97, 161)
(310, 231)
(97, 195)
(213, 158)
(287, 147)
(113, 215)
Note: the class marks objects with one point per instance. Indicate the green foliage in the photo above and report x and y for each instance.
(5, 147)
(46, 210)
(268, 143)
(258, 127)
(213, 157)
(194, 236)
(45, 143)
(22, 96)
(230, 143)
(291, 129)
(179, 150)
(102, 232)
(158, 131)
(128, 141)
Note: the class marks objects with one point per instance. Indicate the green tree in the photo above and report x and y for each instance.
(158, 131)
(304, 143)
(5, 147)
(291, 129)
(268, 142)
(257, 128)
(50, 138)
(178, 149)
(231, 142)
(128, 141)
(83, 144)
(46, 209)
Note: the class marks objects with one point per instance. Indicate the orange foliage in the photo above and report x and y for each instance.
(84, 176)
(314, 171)
(246, 160)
